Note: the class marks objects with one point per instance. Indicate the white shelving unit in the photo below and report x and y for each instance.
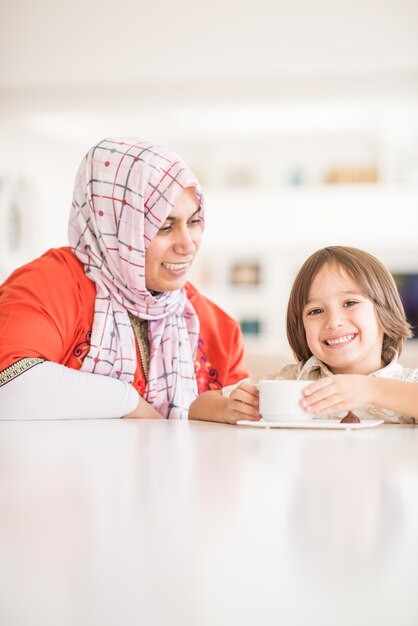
(263, 164)
(283, 210)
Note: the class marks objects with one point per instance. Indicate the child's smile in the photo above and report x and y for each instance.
(341, 325)
(336, 342)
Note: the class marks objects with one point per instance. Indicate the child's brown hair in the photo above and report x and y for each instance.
(376, 283)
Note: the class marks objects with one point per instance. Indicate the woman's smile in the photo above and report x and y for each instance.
(176, 267)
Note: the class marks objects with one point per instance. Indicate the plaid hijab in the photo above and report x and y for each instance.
(124, 191)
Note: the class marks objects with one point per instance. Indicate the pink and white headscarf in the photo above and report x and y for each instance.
(124, 191)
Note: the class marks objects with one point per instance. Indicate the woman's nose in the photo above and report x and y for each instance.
(184, 242)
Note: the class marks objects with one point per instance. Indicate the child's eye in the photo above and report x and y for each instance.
(350, 303)
(314, 312)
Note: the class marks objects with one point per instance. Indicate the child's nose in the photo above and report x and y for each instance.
(335, 320)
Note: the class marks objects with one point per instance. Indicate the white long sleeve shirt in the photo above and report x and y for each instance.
(52, 391)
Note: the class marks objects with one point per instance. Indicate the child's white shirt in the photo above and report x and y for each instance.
(314, 369)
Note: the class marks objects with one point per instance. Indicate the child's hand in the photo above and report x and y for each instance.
(341, 392)
(242, 404)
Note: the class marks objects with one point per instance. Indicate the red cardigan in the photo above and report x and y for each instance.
(47, 309)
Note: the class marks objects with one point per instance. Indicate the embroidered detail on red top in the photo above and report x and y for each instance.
(206, 375)
(82, 348)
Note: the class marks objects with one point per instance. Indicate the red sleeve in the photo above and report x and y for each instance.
(44, 308)
(220, 352)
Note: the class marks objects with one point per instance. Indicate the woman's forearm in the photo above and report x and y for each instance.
(143, 410)
(53, 391)
(209, 406)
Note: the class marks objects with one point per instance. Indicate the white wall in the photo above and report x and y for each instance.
(94, 43)
(260, 91)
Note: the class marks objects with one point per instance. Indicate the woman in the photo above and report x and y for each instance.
(116, 306)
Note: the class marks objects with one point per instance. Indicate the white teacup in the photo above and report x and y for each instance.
(280, 400)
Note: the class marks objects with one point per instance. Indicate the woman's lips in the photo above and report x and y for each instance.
(176, 267)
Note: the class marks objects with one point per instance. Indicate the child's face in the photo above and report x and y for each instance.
(341, 325)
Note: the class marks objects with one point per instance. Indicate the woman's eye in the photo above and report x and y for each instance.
(165, 228)
(195, 221)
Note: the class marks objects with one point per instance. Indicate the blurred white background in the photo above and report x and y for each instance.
(301, 119)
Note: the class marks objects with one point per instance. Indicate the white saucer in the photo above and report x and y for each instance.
(315, 423)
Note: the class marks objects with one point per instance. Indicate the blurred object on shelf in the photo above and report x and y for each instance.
(296, 177)
(240, 176)
(352, 175)
(251, 326)
(202, 275)
(245, 273)
(407, 284)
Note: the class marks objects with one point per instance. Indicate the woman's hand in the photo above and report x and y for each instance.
(242, 404)
(341, 392)
(144, 410)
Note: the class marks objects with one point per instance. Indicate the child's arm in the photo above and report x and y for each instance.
(346, 392)
(212, 406)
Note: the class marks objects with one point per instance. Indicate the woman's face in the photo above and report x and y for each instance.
(171, 252)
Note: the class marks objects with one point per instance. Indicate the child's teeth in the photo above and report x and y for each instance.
(335, 342)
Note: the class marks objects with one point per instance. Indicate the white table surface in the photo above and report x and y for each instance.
(138, 522)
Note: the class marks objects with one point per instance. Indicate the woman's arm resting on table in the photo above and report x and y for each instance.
(143, 410)
(212, 406)
(53, 391)
(344, 392)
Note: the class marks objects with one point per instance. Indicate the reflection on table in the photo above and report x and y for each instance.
(133, 522)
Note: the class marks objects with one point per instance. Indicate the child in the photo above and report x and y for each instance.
(346, 326)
